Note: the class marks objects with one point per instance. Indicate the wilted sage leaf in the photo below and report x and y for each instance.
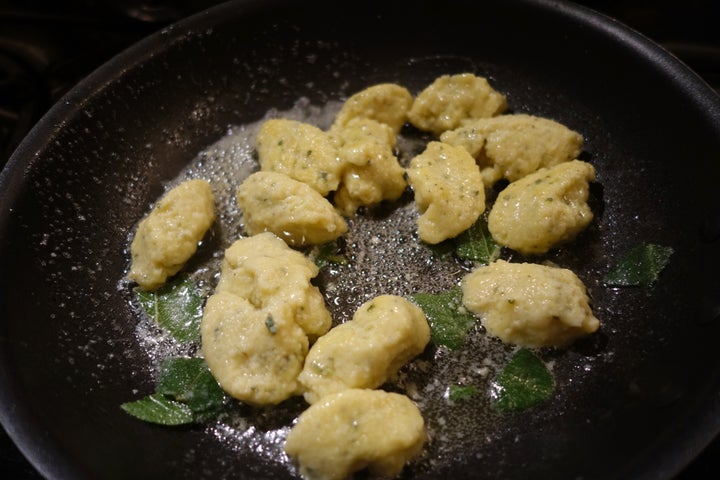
(640, 266)
(477, 244)
(158, 408)
(524, 382)
(449, 320)
(176, 307)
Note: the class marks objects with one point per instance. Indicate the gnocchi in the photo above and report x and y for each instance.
(529, 304)
(512, 146)
(354, 429)
(372, 172)
(254, 353)
(452, 99)
(449, 191)
(169, 235)
(301, 151)
(274, 202)
(544, 209)
(384, 334)
(266, 272)
(386, 103)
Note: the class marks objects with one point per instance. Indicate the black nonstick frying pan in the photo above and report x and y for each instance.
(75, 187)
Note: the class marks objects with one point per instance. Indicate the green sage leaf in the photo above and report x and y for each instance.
(461, 392)
(188, 380)
(443, 251)
(523, 383)
(327, 254)
(159, 409)
(477, 244)
(186, 393)
(176, 307)
(449, 321)
(640, 266)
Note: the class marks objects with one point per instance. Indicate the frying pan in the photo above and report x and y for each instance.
(640, 399)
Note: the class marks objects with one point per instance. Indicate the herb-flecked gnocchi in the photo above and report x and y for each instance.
(274, 202)
(301, 151)
(371, 173)
(449, 191)
(512, 146)
(169, 235)
(529, 304)
(354, 429)
(266, 272)
(544, 209)
(383, 335)
(452, 99)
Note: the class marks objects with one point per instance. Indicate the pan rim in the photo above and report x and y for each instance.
(12, 177)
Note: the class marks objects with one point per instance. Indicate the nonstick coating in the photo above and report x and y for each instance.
(72, 192)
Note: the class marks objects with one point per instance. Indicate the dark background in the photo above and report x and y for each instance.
(46, 47)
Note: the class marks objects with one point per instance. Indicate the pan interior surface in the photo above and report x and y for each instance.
(639, 399)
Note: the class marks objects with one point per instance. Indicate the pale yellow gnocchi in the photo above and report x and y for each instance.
(301, 151)
(544, 209)
(529, 304)
(274, 202)
(356, 429)
(386, 103)
(372, 172)
(512, 146)
(254, 353)
(451, 99)
(266, 272)
(167, 238)
(449, 191)
(383, 335)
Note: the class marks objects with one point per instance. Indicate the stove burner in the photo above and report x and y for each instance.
(23, 90)
(47, 47)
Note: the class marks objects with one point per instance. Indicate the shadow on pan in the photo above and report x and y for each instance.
(74, 189)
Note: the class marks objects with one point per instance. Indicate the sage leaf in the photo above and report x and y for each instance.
(327, 254)
(523, 383)
(640, 266)
(477, 244)
(188, 380)
(461, 392)
(186, 393)
(159, 409)
(443, 251)
(449, 321)
(176, 307)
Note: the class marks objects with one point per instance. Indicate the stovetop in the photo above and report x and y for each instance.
(47, 46)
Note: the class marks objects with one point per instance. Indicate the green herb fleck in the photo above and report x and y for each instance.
(448, 319)
(270, 324)
(186, 393)
(640, 266)
(176, 307)
(461, 392)
(523, 383)
(477, 244)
